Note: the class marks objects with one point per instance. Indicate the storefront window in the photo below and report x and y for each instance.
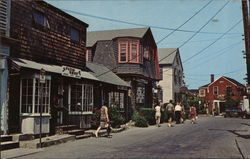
(34, 95)
(81, 98)
(116, 99)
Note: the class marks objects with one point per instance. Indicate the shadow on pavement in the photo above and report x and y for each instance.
(236, 132)
(245, 124)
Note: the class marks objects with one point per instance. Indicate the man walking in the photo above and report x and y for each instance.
(170, 113)
(177, 110)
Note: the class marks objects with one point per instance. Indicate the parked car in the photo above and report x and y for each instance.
(234, 112)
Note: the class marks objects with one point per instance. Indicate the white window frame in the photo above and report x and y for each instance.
(214, 90)
(87, 106)
(117, 97)
(202, 93)
(34, 78)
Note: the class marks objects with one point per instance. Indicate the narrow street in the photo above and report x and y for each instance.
(211, 137)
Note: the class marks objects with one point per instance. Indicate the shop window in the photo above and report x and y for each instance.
(40, 19)
(134, 52)
(33, 95)
(74, 34)
(81, 98)
(116, 99)
(123, 52)
(140, 95)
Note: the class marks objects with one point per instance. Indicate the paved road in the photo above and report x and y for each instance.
(211, 137)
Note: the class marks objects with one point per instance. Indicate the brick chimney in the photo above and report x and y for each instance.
(212, 78)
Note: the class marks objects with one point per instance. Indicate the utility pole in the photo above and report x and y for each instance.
(247, 35)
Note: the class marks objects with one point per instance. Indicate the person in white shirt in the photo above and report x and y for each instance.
(177, 110)
(157, 115)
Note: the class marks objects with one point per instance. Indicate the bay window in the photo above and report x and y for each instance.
(134, 52)
(81, 98)
(123, 52)
(34, 95)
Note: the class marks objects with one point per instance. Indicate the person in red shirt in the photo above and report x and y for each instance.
(193, 114)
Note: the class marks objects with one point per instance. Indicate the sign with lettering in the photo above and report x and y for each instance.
(71, 72)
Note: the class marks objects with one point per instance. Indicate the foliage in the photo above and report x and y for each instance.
(148, 114)
(115, 117)
(95, 119)
(139, 120)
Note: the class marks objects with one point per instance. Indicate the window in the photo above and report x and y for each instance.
(215, 88)
(202, 93)
(161, 73)
(140, 94)
(40, 19)
(31, 97)
(146, 53)
(116, 99)
(123, 52)
(134, 52)
(74, 34)
(81, 98)
(229, 90)
(87, 55)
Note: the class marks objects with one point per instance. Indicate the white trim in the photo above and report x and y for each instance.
(217, 90)
(33, 95)
(220, 78)
(81, 113)
(35, 114)
(20, 104)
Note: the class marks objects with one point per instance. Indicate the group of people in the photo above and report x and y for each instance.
(172, 112)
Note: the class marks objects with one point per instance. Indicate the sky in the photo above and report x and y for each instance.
(211, 42)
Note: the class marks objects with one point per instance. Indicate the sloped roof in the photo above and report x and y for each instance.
(93, 37)
(167, 55)
(234, 81)
(204, 86)
(105, 75)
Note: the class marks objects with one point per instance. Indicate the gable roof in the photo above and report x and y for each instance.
(167, 55)
(227, 78)
(234, 81)
(105, 75)
(93, 37)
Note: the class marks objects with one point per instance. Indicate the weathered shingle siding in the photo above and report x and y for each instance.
(49, 45)
(104, 54)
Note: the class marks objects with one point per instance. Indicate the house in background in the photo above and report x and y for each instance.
(216, 91)
(171, 74)
(132, 55)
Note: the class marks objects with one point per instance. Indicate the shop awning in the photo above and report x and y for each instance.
(48, 68)
(105, 75)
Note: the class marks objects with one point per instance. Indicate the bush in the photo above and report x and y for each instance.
(115, 117)
(148, 114)
(163, 116)
(139, 120)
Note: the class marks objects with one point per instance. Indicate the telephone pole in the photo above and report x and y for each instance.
(247, 35)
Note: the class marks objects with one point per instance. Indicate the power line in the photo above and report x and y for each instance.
(136, 24)
(198, 30)
(213, 42)
(223, 51)
(184, 22)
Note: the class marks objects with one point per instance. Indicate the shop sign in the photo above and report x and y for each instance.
(71, 72)
(122, 88)
(42, 76)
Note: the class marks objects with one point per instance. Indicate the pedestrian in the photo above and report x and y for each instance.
(104, 121)
(157, 114)
(182, 113)
(170, 112)
(193, 114)
(177, 111)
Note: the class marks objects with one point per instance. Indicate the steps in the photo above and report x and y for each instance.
(71, 130)
(8, 143)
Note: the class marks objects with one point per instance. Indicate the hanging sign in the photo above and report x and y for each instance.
(42, 76)
(71, 72)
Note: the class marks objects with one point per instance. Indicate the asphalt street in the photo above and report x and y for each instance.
(211, 137)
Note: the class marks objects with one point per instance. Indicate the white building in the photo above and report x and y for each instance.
(171, 72)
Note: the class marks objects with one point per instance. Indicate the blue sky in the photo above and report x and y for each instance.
(223, 58)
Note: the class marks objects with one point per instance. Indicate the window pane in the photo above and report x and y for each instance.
(74, 34)
(123, 52)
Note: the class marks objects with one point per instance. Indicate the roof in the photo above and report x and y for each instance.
(48, 68)
(205, 85)
(167, 55)
(105, 75)
(234, 81)
(93, 37)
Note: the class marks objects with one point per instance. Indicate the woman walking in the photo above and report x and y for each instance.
(157, 115)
